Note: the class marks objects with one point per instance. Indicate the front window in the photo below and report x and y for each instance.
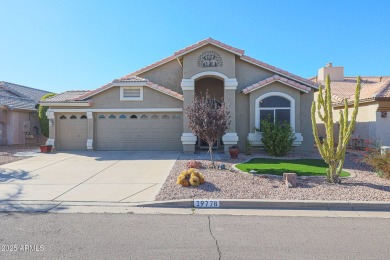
(275, 109)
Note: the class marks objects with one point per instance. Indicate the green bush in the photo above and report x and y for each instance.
(379, 162)
(44, 122)
(277, 137)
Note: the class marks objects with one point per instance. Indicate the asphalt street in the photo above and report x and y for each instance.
(137, 236)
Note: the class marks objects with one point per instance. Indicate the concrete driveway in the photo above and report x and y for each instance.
(87, 176)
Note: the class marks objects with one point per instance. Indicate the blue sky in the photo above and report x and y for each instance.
(63, 45)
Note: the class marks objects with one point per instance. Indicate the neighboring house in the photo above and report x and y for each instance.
(144, 110)
(373, 119)
(19, 122)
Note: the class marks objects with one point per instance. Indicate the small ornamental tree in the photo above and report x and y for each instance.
(334, 157)
(44, 122)
(208, 119)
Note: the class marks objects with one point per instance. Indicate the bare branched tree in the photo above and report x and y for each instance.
(209, 119)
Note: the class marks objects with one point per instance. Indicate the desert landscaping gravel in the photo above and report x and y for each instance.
(225, 184)
(7, 152)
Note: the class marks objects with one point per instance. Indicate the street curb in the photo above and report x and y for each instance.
(279, 205)
(238, 204)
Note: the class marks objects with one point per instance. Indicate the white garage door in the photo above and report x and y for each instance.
(139, 132)
(72, 132)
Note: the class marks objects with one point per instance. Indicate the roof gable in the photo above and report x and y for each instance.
(84, 96)
(238, 52)
(275, 78)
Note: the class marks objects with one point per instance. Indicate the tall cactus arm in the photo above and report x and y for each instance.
(320, 101)
(315, 132)
(355, 111)
(341, 134)
(329, 114)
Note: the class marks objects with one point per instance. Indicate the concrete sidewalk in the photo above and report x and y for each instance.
(87, 176)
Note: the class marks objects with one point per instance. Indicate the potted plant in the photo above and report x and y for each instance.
(45, 148)
(233, 151)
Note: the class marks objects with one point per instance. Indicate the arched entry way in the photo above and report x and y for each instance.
(215, 88)
(223, 87)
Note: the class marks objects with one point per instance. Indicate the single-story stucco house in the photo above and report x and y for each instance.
(373, 119)
(19, 122)
(144, 110)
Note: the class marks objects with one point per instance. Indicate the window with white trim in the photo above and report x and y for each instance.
(131, 93)
(276, 107)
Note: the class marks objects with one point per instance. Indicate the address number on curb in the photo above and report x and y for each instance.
(206, 203)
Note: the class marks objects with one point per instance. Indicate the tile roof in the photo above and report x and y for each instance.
(272, 79)
(205, 42)
(84, 95)
(373, 88)
(229, 48)
(66, 97)
(16, 96)
(280, 71)
(164, 90)
(184, 51)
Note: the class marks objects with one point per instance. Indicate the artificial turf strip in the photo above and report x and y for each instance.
(302, 167)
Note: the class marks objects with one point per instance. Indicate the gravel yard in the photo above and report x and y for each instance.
(224, 184)
(7, 152)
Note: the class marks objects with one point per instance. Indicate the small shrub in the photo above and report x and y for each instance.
(194, 164)
(190, 177)
(277, 137)
(379, 162)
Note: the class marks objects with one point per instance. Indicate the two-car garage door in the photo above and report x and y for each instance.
(138, 131)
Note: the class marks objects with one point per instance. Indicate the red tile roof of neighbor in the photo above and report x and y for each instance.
(372, 88)
(272, 79)
(133, 77)
(66, 97)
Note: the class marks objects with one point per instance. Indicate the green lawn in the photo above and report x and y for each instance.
(302, 167)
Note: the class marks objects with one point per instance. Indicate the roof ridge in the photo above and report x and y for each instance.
(272, 79)
(6, 82)
(385, 84)
(277, 70)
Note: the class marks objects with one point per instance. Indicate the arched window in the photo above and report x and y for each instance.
(112, 117)
(101, 117)
(122, 117)
(154, 117)
(276, 107)
(144, 117)
(83, 117)
(62, 117)
(73, 117)
(165, 117)
(133, 117)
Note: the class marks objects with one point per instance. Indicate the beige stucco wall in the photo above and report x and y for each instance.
(302, 113)
(168, 75)
(151, 99)
(190, 62)
(248, 74)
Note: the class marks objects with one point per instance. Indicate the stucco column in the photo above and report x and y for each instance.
(231, 137)
(188, 139)
(90, 130)
(52, 128)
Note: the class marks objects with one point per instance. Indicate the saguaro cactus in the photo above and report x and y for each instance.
(334, 157)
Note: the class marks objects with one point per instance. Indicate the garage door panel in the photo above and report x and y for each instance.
(149, 131)
(72, 133)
